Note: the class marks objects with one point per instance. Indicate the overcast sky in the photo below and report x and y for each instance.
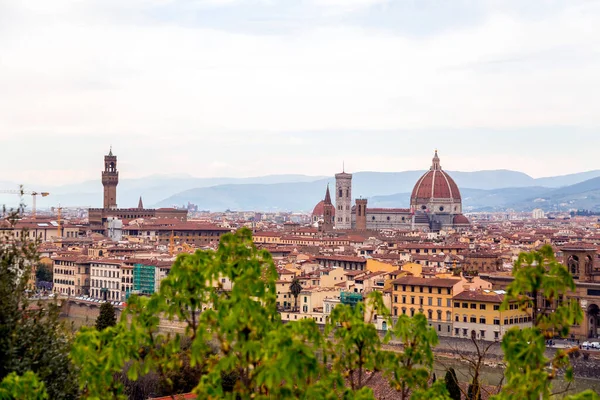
(257, 87)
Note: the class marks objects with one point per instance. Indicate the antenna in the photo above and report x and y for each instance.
(343, 166)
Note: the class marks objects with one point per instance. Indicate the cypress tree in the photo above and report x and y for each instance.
(452, 384)
(106, 317)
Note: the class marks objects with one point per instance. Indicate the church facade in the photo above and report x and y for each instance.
(435, 204)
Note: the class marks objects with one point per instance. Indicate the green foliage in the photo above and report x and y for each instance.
(256, 354)
(451, 382)
(32, 337)
(26, 387)
(529, 374)
(106, 317)
(356, 347)
(539, 276)
(43, 273)
(412, 368)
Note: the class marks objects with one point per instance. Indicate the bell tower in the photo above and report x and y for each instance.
(343, 200)
(110, 180)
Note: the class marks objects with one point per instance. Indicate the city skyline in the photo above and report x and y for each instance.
(253, 88)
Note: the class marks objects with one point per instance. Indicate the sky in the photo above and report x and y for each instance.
(214, 88)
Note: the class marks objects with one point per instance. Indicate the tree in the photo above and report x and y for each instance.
(452, 384)
(474, 357)
(27, 386)
(529, 374)
(43, 273)
(107, 316)
(356, 347)
(411, 369)
(32, 337)
(295, 289)
(256, 354)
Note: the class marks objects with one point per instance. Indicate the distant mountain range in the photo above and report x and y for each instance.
(481, 191)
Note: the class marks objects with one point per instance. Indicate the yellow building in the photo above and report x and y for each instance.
(477, 313)
(429, 296)
(377, 266)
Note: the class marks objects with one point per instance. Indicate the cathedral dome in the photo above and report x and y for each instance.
(460, 219)
(435, 185)
(319, 209)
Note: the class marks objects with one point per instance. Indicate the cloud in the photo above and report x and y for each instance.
(153, 75)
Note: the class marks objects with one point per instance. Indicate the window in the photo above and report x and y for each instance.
(421, 289)
(395, 311)
(496, 307)
(412, 288)
(395, 298)
(429, 301)
(473, 320)
(473, 306)
(305, 299)
(465, 305)
(430, 289)
(421, 300)
(496, 321)
(456, 331)
(464, 318)
(448, 303)
(403, 299)
(456, 318)
(505, 321)
(429, 314)
(482, 333)
(439, 302)
(465, 332)
(439, 290)
(482, 320)
(439, 315)
(412, 312)
(412, 299)
(482, 306)
(495, 335)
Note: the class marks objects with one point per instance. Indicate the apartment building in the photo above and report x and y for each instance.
(105, 276)
(71, 275)
(478, 314)
(429, 296)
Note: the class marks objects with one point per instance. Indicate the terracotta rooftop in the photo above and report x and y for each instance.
(434, 282)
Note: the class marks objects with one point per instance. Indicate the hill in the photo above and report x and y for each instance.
(482, 190)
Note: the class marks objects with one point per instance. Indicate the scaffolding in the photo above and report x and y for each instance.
(144, 278)
(350, 298)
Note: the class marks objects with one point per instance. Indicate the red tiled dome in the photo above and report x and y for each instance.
(435, 184)
(460, 219)
(319, 208)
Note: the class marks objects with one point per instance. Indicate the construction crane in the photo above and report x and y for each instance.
(33, 194)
